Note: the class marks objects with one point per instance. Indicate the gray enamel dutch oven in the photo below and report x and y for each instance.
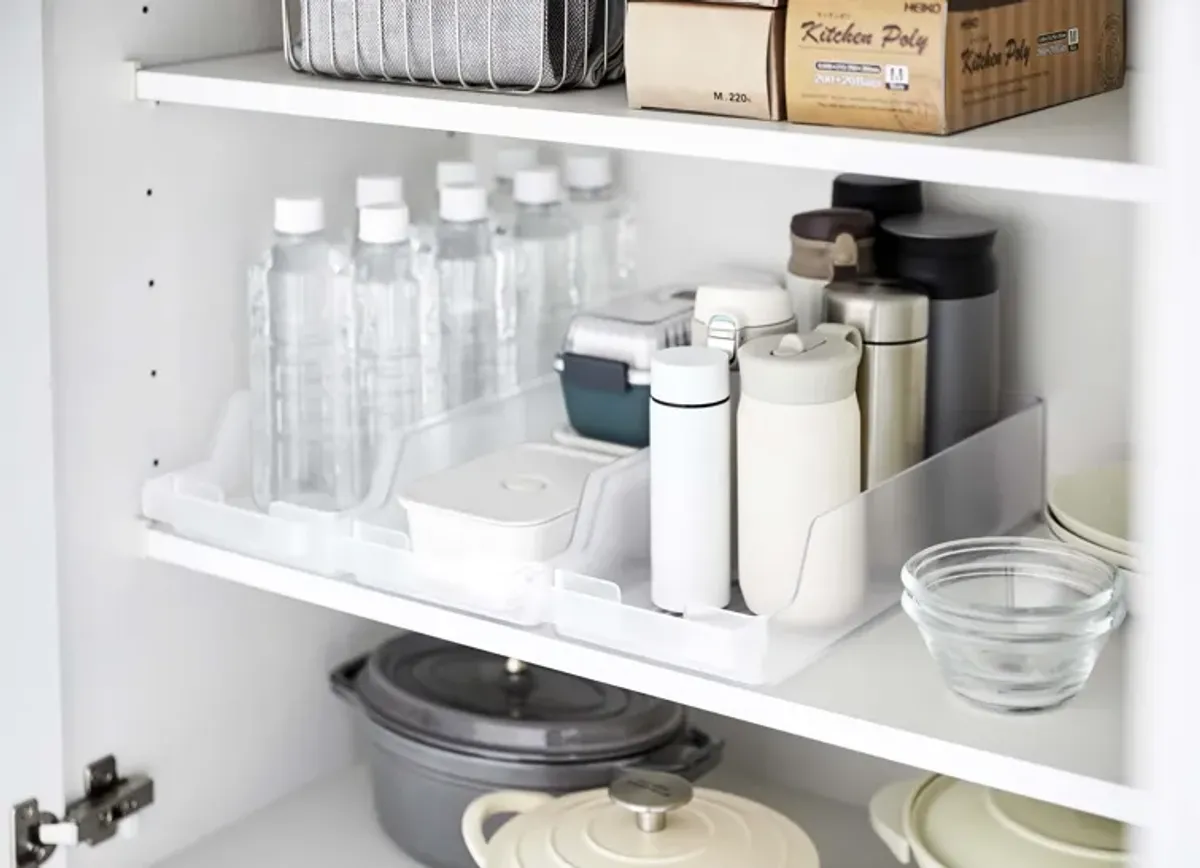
(446, 724)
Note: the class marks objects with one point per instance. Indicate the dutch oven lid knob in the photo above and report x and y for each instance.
(650, 796)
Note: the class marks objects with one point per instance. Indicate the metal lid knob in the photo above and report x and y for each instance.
(650, 795)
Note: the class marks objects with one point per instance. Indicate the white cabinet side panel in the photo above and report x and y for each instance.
(216, 691)
(31, 711)
(1165, 709)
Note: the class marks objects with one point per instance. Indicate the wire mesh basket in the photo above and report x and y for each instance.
(512, 46)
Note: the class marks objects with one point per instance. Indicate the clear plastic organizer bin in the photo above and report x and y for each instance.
(210, 502)
(988, 484)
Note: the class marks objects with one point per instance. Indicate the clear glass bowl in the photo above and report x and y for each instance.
(1014, 624)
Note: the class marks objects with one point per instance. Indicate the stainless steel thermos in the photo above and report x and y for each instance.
(949, 256)
(893, 319)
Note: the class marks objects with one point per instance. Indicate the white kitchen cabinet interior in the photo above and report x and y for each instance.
(131, 228)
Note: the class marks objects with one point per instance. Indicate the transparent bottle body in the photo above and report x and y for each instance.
(463, 322)
(306, 439)
(388, 398)
(544, 254)
(503, 206)
(607, 240)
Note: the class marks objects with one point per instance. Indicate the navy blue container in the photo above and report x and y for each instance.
(604, 366)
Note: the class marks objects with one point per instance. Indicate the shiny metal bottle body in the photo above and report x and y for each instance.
(894, 322)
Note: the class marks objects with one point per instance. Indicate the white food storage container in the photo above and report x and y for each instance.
(518, 503)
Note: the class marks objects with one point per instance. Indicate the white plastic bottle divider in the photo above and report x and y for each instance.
(988, 484)
(210, 502)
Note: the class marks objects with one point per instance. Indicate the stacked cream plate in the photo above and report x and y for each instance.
(1090, 511)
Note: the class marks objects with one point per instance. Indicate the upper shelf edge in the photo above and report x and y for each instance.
(1079, 149)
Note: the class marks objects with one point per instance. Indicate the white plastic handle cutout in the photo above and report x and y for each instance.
(487, 806)
(888, 807)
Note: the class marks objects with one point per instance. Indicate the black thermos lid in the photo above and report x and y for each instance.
(883, 197)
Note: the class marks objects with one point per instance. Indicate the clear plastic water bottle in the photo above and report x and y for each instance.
(543, 250)
(509, 161)
(388, 314)
(606, 229)
(305, 439)
(461, 326)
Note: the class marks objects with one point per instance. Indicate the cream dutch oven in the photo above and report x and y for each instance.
(643, 819)
(940, 822)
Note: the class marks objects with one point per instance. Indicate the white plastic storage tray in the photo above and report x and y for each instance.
(986, 485)
(210, 502)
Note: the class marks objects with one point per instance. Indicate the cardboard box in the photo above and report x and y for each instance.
(705, 57)
(769, 4)
(942, 67)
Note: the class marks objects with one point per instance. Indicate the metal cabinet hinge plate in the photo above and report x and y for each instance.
(108, 803)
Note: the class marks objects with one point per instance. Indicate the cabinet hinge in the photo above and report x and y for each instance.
(106, 809)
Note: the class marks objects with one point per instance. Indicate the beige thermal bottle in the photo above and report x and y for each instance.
(798, 458)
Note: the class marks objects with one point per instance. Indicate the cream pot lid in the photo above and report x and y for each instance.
(940, 822)
(644, 819)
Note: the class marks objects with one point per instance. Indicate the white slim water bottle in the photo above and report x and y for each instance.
(690, 478)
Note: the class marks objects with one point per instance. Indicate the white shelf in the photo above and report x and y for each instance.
(332, 823)
(1080, 149)
(876, 692)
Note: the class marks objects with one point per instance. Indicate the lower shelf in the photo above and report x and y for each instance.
(332, 823)
(875, 692)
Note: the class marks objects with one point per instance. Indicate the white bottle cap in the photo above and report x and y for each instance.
(372, 190)
(383, 224)
(509, 161)
(537, 186)
(589, 171)
(456, 172)
(299, 216)
(462, 203)
(689, 376)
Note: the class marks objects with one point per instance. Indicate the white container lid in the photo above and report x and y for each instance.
(689, 376)
(462, 203)
(814, 368)
(537, 186)
(385, 224)
(519, 488)
(371, 190)
(509, 161)
(631, 329)
(589, 171)
(456, 172)
(299, 216)
(752, 305)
